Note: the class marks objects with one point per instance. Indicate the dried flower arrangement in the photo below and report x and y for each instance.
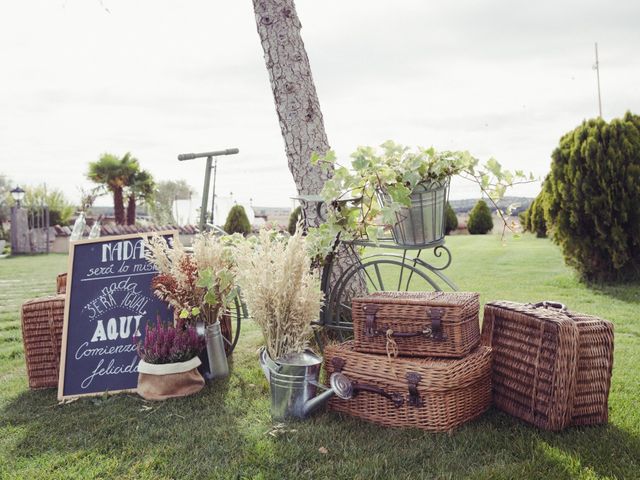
(168, 344)
(281, 291)
(199, 284)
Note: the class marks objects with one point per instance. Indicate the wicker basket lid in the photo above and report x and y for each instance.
(437, 374)
(436, 299)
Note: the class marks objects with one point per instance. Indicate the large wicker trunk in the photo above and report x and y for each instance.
(42, 320)
(434, 394)
(551, 367)
(421, 324)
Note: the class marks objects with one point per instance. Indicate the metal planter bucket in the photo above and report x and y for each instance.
(293, 380)
(423, 223)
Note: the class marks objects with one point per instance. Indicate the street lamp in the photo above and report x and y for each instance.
(17, 194)
(207, 176)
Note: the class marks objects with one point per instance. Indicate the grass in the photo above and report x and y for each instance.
(224, 431)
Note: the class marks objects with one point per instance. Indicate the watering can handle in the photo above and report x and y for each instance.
(267, 364)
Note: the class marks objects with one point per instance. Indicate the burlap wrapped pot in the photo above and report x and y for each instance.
(169, 380)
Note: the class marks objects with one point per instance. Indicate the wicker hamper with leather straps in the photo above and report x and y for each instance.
(434, 394)
(42, 320)
(420, 324)
(551, 366)
(61, 283)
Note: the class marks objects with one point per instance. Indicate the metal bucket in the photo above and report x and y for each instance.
(423, 223)
(293, 380)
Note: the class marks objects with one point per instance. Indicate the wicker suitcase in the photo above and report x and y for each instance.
(418, 324)
(434, 394)
(42, 320)
(61, 283)
(551, 367)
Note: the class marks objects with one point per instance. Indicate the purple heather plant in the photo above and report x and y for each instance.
(166, 343)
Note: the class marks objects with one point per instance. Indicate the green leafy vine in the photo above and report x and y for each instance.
(353, 195)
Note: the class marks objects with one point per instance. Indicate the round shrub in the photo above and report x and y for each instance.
(237, 221)
(480, 220)
(295, 216)
(524, 219)
(593, 198)
(451, 220)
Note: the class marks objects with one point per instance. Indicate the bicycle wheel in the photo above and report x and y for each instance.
(236, 313)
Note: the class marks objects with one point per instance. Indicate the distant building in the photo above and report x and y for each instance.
(465, 206)
(278, 215)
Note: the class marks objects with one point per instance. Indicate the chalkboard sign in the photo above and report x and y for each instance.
(109, 303)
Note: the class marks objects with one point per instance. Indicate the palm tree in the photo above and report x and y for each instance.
(141, 187)
(114, 173)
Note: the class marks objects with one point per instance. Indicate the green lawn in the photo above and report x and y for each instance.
(226, 432)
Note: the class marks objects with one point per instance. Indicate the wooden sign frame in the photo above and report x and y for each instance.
(67, 305)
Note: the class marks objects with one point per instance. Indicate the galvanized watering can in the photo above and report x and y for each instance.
(293, 380)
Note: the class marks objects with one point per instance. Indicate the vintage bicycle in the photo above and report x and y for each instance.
(404, 260)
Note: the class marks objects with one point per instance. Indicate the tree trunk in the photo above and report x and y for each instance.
(298, 110)
(118, 206)
(295, 95)
(131, 210)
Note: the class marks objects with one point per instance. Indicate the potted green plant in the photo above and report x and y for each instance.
(283, 297)
(398, 189)
(198, 284)
(169, 361)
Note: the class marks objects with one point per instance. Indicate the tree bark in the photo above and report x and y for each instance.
(118, 206)
(295, 95)
(298, 109)
(131, 210)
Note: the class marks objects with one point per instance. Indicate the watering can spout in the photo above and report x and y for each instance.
(293, 381)
(341, 386)
(315, 403)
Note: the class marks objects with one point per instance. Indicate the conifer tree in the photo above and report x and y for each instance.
(237, 221)
(480, 220)
(451, 220)
(293, 220)
(593, 195)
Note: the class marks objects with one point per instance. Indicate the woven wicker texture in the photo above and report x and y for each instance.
(411, 312)
(42, 320)
(452, 391)
(551, 367)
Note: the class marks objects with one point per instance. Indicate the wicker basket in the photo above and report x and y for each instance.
(551, 367)
(61, 283)
(421, 324)
(42, 320)
(433, 394)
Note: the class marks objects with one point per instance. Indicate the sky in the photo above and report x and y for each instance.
(502, 79)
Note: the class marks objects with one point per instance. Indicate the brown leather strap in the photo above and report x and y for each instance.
(370, 319)
(436, 315)
(395, 397)
(550, 304)
(338, 364)
(434, 332)
(413, 379)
